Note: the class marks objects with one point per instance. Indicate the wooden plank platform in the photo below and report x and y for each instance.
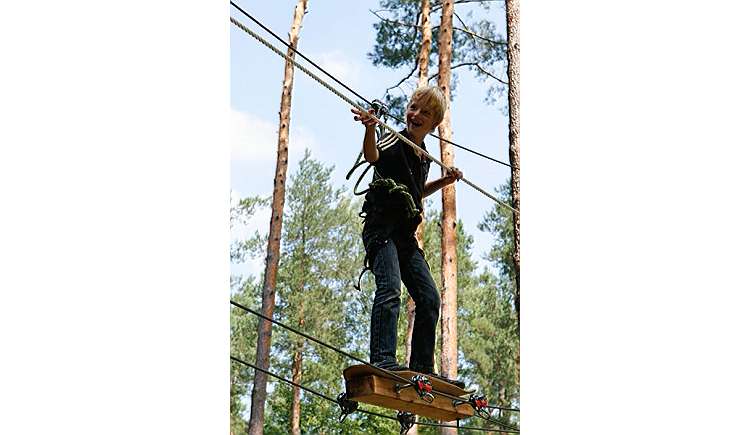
(367, 385)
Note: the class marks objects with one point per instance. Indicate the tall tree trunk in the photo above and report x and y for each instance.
(424, 63)
(426, 47)
(274, 235)
(295, 412)
(512, 15)
(297, 378)
(448, 308)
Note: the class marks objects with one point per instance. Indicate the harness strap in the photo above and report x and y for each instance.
(354, 168)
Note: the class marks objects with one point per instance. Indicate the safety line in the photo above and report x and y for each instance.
(233, 358)
(309, 337)
(416, 148)
(380, 370)
(462, 147)
(350, 89)
(503, 408)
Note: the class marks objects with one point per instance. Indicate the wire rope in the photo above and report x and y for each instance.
(380, 370)
(291, 47)
(416, 148)
(330, 399)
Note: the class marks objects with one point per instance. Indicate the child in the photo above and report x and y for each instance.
(392, 211)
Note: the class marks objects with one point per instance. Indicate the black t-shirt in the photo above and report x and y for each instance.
(399, 161)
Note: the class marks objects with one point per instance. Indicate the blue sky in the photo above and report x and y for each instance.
(321, 121)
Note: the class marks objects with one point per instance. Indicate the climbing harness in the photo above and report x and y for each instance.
(357, 164)
(385, 198)
(391, 201)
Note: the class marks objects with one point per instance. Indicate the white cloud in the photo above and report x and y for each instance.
(254, 142)
(255, 139)
(252, 138)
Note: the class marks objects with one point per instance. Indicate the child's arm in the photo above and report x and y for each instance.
(453, 175)
(368, 143)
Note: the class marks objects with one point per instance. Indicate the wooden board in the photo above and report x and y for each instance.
(367, 385)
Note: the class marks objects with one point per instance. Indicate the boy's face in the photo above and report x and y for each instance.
(419, 119)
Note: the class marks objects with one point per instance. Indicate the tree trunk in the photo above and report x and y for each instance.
(423, 59)
(274, 235)
(512, 15)
(448, 308)
(425, 48)
(297, 378)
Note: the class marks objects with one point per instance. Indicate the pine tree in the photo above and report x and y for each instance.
(514, 125)
(448, 280)
(322, 255)
(498, 222)
(257, 408)
(243, 326)
(488, 342)
(311, 280)
(423, 64)
(477, 45)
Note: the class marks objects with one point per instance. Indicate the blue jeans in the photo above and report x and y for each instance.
(396, 259)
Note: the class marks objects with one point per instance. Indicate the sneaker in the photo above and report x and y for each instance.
(391, 366)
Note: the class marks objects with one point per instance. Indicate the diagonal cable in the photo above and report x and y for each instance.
(330, 399)
(335, 349)
(502, 408)
(272, 33)
(378, 369)
(416, 148)
(282, 379)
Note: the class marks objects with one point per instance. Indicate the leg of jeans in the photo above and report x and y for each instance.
(385, 306)
(421, 287)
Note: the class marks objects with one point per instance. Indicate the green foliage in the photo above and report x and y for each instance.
(493, 320)
(499, 223)
(321, 257)
(488, 337)
(396, 44)
(398, 38)
(241, 214)
(243, 336)
(243, 326)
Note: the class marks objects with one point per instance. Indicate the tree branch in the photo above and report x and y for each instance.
(416, 63)
(392, 21)
(481, 68)
(439, 5)
(397, 85)
(461, 21)
(476, 1)
(475, 64)
(475, 35)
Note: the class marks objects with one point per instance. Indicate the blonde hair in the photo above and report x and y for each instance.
(431, 98)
